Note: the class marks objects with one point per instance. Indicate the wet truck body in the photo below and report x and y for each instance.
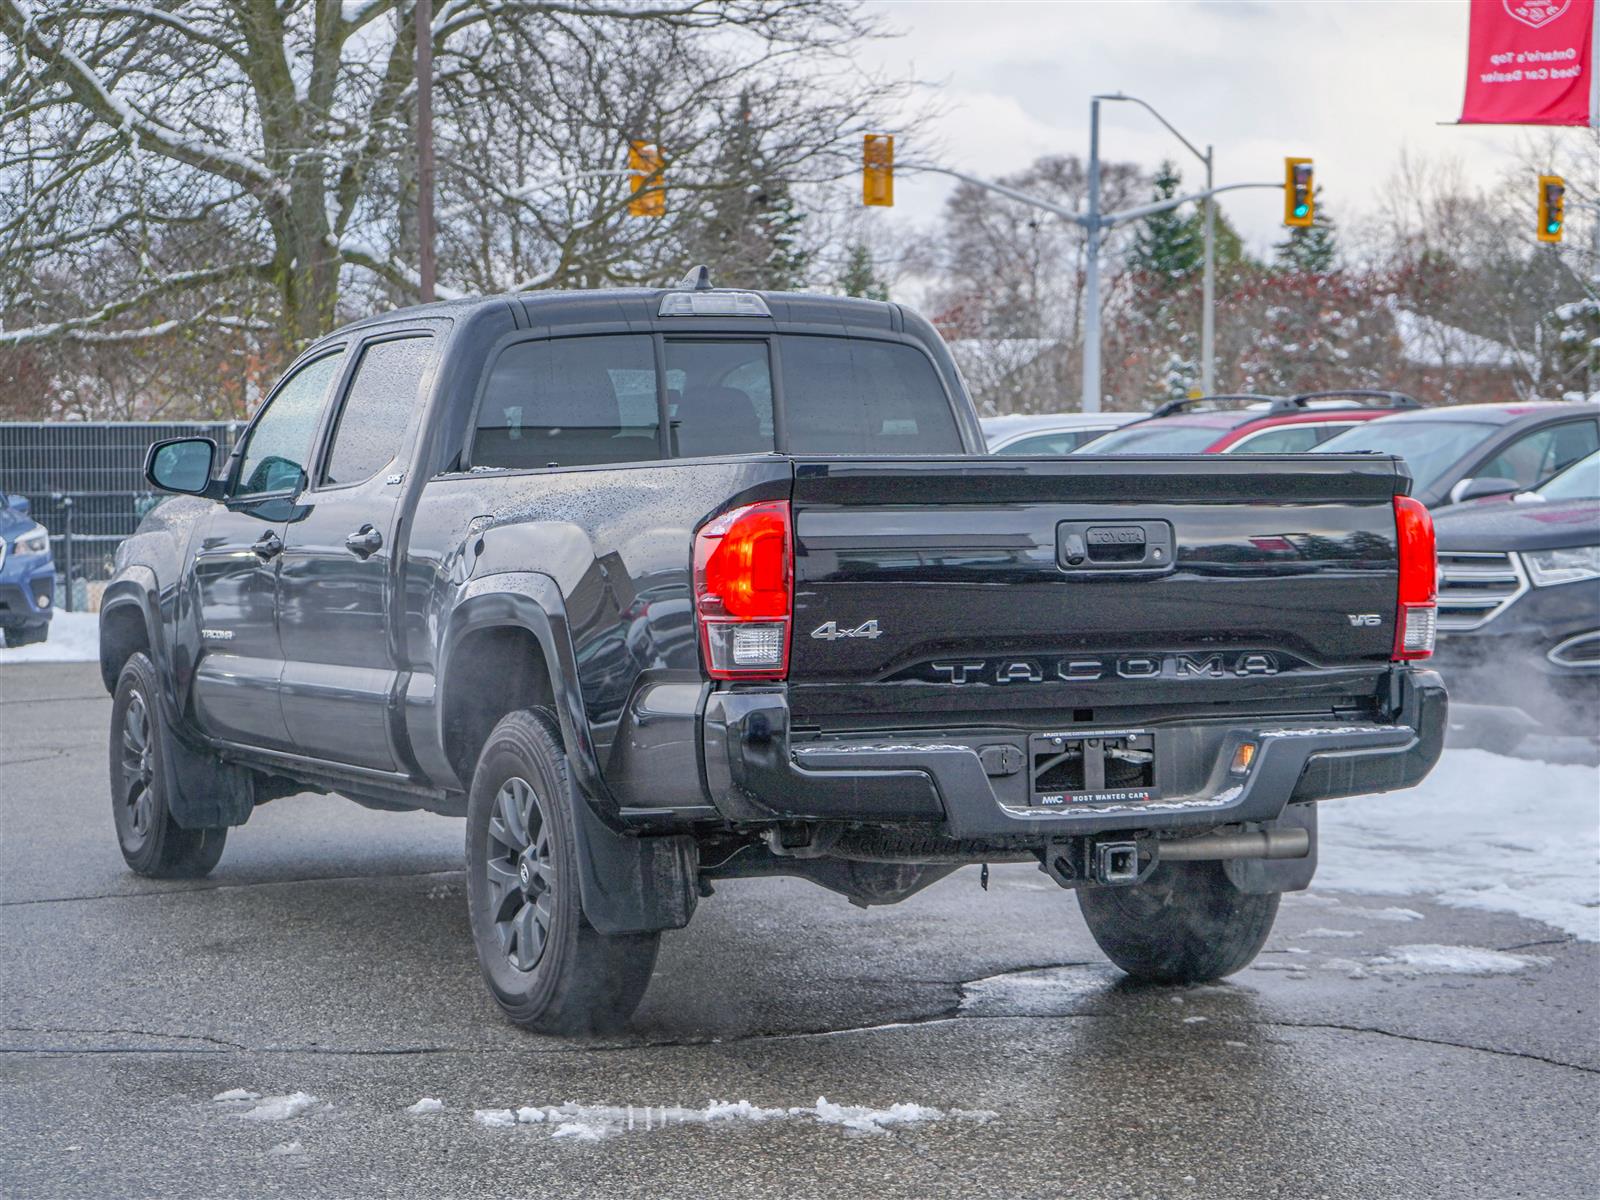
(732, 575)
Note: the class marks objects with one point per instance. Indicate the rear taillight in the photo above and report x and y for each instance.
(743, 591)
(1418, 612)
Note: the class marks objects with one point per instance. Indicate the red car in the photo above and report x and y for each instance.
(1248, 424)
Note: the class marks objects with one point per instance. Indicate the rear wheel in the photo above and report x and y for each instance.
(152, 843)
(1186, 923)
(547, 967)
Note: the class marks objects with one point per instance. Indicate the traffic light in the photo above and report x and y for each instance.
(1299, 202)
(649, 191)
(877, 170)
(1552, 205)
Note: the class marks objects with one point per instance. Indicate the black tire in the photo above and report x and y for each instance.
(1186, 923)
(152, 843)
(547, 967)
(27, 635)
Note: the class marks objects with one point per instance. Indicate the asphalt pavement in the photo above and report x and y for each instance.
(329, 956)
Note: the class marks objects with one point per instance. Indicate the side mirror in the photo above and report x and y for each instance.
(1481, 487)
(181, 465)
(18, 504)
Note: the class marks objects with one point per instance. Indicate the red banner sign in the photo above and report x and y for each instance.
(1530, 62)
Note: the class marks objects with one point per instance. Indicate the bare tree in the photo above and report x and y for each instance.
(241, 165)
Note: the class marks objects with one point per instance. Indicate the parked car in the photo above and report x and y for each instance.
(1049, 433)
(1470, 451)
(27, 574)
(1519, 610)
(658, 587)
(1248, 424)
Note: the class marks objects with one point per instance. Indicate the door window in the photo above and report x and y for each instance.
(1536, 456)
(569, 402)
(719, 397)
(1284, 439)
(279, 444)
(376, 409)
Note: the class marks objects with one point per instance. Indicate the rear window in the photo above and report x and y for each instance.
(1155, 438)
(585, 401)
(854, 396)
(1429, 447)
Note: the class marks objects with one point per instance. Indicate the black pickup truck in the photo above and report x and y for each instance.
(660, 587)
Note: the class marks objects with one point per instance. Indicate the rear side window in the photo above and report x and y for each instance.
(1285, 439)
(855, 396)
(570, 402)
(376, 409)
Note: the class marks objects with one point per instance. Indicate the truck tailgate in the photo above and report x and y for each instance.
(930, 586)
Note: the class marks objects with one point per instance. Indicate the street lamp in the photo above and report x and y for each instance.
(1208, 322)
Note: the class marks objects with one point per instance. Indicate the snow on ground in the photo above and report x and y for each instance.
(74, 637)
(280, 1108)
(596, 1122)
(1482, 831)
(426, 1105)
(1451, 960)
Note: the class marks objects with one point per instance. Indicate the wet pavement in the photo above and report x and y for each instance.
(1380, 1047)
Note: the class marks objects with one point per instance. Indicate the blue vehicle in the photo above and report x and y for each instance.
(27, 574)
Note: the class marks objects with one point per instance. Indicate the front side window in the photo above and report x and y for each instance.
(279, 445)
(1538, 455)
(857, 396)
(377, 409)
(569, 402)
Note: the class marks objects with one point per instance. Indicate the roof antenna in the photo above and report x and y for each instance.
(697, 280)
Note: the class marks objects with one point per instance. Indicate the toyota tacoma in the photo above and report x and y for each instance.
(658, 587)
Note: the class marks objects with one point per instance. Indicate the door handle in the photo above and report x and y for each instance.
(268, 546)
(364, 542)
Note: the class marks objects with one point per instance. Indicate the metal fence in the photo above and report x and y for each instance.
(85, 484)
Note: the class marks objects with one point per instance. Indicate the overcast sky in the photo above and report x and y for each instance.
(1348, 82)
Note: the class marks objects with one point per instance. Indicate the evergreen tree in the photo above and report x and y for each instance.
(1169, 245)
(1313, 248)
(860, 275)
(752, 235)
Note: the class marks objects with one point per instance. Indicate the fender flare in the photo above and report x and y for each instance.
(628, 884)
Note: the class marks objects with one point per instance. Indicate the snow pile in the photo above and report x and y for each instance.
(596, 1122)
(280, 1108)
(1482, 831)
(1451, 960)
(426, 1105)
(74, 637)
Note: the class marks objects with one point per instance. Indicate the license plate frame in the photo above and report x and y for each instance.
(1090, 767)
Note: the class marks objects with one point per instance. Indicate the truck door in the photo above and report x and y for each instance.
(236, 563)
(334, 588)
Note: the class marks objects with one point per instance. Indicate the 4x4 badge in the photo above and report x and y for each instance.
(829, 631)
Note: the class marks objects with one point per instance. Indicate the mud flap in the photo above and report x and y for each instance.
(1258, 876)
(633, 884)
(203, 792)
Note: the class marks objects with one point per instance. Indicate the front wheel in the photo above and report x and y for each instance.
(547, 967)
(1186, 923)
(152, 843)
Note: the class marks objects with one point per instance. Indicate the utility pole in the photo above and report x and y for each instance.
(1208, 316)
(1091, 285)
(424, 32)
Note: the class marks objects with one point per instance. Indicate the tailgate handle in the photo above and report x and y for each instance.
(1143, 546)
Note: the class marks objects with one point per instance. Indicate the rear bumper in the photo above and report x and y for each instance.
(756, 773)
